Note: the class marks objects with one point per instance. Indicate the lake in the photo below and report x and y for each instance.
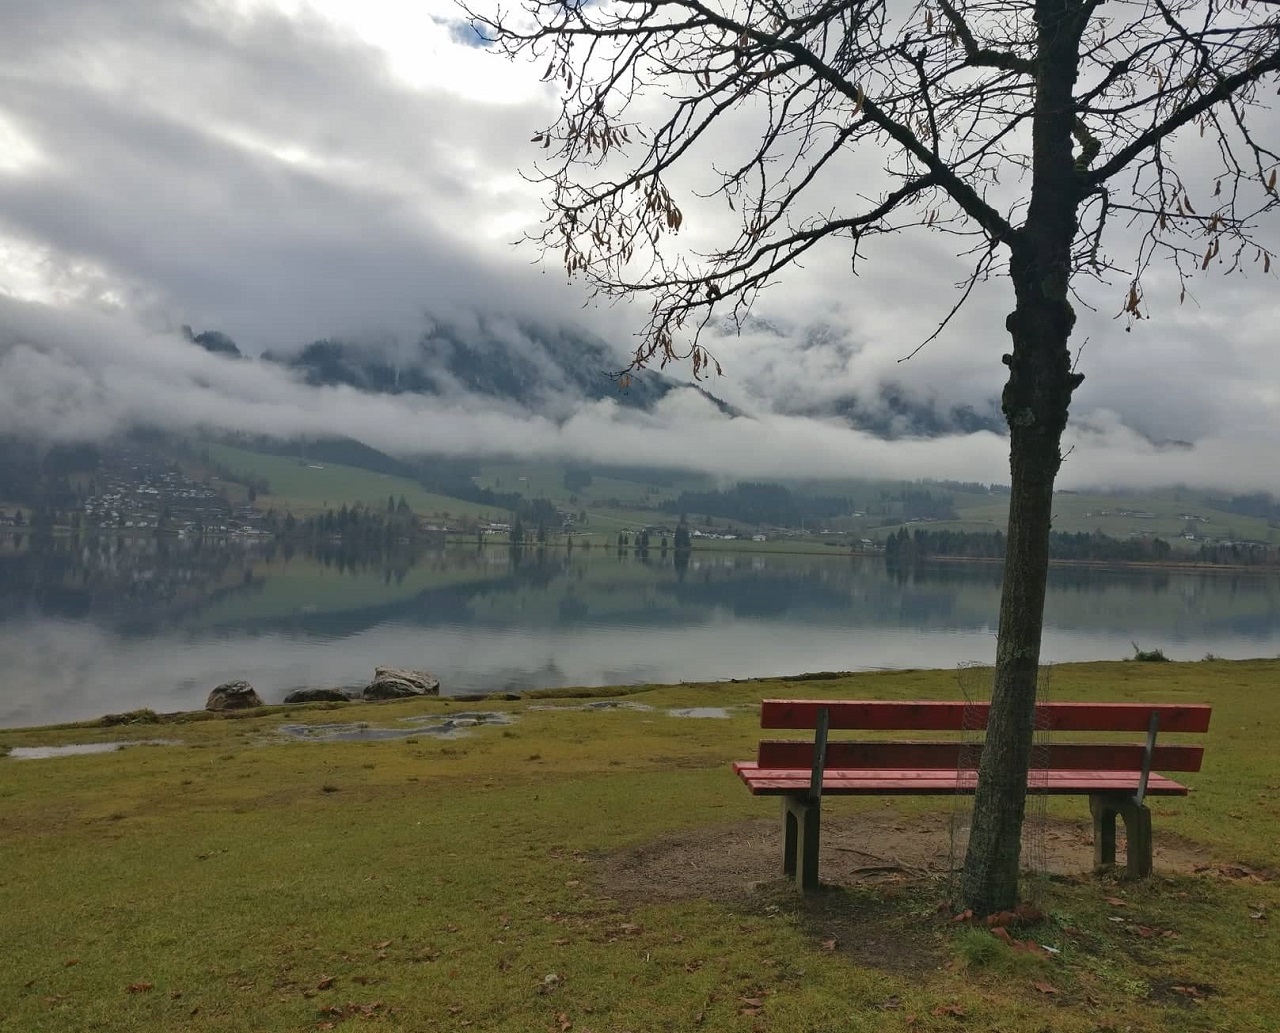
(110, 625)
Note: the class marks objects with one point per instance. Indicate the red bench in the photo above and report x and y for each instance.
(1116, 776)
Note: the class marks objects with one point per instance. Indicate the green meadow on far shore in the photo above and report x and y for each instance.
(544, 874)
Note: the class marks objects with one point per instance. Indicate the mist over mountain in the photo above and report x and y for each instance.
(553, 370)
(549, 370)
(897, 414)
(545, 369)
(213, 341)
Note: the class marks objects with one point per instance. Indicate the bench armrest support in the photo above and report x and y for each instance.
(822, 727)
(1153, 726)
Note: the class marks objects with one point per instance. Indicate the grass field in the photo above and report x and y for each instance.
(239, 881)
(305, 487)
(1163, 513)
(615, 503)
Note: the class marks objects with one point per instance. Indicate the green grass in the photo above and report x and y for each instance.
(305, 487)
(1096, 511)
(616, 503)
(239, 882)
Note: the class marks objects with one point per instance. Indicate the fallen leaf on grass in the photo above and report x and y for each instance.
(1233, 871)
(71, 961)
(1045, 988)
(1117, 902)
(344, 1011)
(140, 987)
(563, 1023)
(381, 945)
(1148, 932)
(891, 1004)
(956, 1011)
(325, 983)
(830, 944)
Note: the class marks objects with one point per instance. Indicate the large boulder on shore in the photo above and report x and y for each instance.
(318, 696)
(401, 683)
(233, 695)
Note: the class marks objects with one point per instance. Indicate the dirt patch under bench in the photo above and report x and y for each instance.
(876, 856)
(725, 862)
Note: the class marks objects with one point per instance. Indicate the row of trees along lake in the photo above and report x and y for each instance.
(903, 546)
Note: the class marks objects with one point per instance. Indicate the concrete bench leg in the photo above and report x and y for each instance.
(1137, 828)
(801, 822)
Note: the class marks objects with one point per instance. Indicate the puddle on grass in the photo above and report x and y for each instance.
(626, 704)
(360, 731)
(76, 749)
(601, 704)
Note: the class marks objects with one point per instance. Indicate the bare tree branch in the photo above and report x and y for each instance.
(1036, 129)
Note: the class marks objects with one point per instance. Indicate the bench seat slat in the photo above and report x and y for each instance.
(796, 753)
(934, 781)
(947, 715)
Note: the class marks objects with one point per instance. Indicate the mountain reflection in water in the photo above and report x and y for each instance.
(110, 625)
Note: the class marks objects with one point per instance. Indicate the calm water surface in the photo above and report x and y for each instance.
(92, 629)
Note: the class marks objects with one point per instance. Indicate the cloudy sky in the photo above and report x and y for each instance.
(284, 171)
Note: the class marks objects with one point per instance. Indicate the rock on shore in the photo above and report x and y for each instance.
(400, 683)
(233, 695)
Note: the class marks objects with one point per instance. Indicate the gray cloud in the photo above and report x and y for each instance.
(270, 175)
(77, 375)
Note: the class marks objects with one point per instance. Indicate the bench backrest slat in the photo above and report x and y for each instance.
(791, 753)
(948, 716)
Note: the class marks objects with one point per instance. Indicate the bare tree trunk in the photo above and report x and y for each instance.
(1035, 403)
(1036, 400)
(990, 881)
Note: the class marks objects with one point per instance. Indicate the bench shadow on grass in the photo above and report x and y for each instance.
(884, 875)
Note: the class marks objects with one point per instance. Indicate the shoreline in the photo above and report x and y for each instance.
(146, 718)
